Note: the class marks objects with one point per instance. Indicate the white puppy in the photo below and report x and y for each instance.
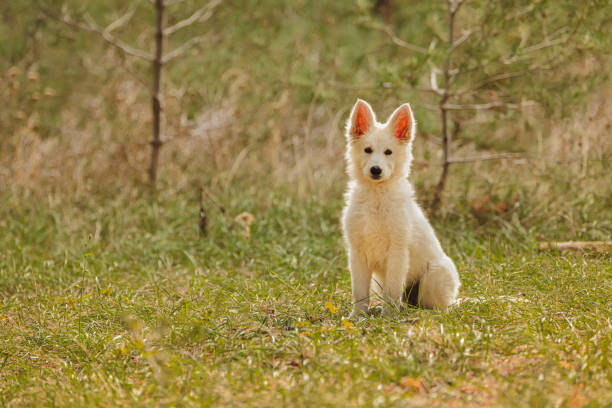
(387, 234)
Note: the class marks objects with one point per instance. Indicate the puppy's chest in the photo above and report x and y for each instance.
(374, 228)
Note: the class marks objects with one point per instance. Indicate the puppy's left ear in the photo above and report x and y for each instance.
(402, 123)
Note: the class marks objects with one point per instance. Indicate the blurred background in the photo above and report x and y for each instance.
(254, 96)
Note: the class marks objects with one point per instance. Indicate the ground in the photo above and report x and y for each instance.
(120, 302)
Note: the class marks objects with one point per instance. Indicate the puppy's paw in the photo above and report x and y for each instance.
(389, 310)
(357, 314)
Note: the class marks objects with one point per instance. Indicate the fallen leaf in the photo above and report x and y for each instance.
(501, 208)
(332, 309)
(481, 204)
(50, 92)
(13, 71)
(346, 323)
(414, 384)
(577, 400)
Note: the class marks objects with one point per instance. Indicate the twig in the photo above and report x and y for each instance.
(485, 106)
(548, 42)
(495, 156)
(108, 37)
(213, 200)
(98, 30)
(203, 220)
(200, 14)
(340, 85)
(169, 3)
(577, 245)
(493, 79)
(433, 79)
(121, 21)
(183, 48)
(544, 44)
(477, 106)
(398, 41)
(464, 37)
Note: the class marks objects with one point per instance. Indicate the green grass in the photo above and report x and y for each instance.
(120, 302)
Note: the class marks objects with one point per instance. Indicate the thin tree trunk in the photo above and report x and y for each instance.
(453, 7)
(385, 8)
(437, 197)
(156, 142)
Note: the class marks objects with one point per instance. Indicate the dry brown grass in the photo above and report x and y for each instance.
(278, 144)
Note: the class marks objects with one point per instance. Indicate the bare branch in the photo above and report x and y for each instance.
(199, 15)
(550, 41)
(340, 85)
(476, 106)
(121, 21)
(493, 79)
(183, 48)
(454, 5)
(520, 12)
(543, 44)
(601, 246)
(169, 3)
(464, 37)
(92, 26)
(496, 156)
(433, 79)
(486, 106)
(398, 41)
(428, 106)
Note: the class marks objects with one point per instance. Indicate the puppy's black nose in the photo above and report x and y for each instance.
(375, 171)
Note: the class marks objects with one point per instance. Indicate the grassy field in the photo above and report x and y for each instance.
(120, 302)
(109, 295)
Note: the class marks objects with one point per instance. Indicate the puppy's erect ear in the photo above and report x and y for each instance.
(402, 123)
(362, 119)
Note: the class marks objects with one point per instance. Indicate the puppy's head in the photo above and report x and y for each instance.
(378, 152)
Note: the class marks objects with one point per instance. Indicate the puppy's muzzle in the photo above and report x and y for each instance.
(375, 172)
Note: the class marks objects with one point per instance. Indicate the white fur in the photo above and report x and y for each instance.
(387, 234)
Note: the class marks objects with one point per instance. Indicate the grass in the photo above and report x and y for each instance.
(120, 302)
(111, 298)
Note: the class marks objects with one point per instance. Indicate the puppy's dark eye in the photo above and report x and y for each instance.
(368, 150)
(388, 152)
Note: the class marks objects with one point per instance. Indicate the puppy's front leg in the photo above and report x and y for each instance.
(360, 282)
(395, 280)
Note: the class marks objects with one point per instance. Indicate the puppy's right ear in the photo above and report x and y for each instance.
(361, 119)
